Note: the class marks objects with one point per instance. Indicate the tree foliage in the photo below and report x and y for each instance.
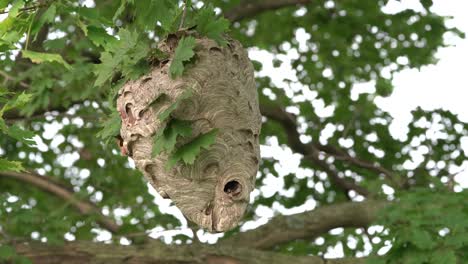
(62, 62)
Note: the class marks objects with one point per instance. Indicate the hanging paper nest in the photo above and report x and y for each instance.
(195, 137)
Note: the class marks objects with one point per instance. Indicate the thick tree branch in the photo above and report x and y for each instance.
(310, 150)
(307, 225)
(157, 252)
(45, 183)
(249, 8)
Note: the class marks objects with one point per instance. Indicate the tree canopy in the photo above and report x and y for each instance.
(381, 199)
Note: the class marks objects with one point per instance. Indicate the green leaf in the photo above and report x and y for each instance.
(125, 55)
(417, 257)
(456, 240)
(134, 64)
(112, 95)
(150, 11)
(47, 17)
(168, 138)
(211, 26)
(421, 239)
(20, 101)
(4, 3)
(427, 3)
(22, 260)
(4, 91)
(375, 260)
(384, 87)
(183, 53)
(444, 256)
(15, 8)
(120, 10)
(6, 165)
(20, 134)
(165, 114)
(6, 252)
(190, 151)
(105, 69)
(99, 36)
(82, 26)
(39, 57)
(110, 127)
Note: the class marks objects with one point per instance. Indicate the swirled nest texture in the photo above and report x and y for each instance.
(213, 192)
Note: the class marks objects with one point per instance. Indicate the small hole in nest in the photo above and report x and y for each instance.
(128, 111)
(215, 49)
(255, 160)
(233, 188)
(147, 79)
(251, 147)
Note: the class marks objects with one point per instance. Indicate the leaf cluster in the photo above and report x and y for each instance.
(427, 226)
(128, 55)
(14, 131)
(167, 137)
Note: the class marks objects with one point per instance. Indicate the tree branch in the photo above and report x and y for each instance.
(25, 9)
(307, 225)
(249, 8)
(310, 150)
(367, 165)
(8, 78)
(157, 252)
(45, 183)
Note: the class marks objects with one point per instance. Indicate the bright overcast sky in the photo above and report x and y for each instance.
(443, 85)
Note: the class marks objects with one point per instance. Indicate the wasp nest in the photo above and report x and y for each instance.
(213, 192)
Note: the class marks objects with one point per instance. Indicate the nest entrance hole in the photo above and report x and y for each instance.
(233, 188)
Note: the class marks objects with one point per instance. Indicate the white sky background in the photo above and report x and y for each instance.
(443, 85)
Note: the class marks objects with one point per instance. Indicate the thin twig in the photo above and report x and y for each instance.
(451, 178)
(184, 13)
(24, 9)
(29, 31)
(309, 150)
(366, 165)
(87, 117)
(47, 184)
(11, 78)
(351, 123)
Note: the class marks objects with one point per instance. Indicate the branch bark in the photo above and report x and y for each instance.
(307, 225)
(157, 252)
(45, 183)
(249, 8)
(310, 150)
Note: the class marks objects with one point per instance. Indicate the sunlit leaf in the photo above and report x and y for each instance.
(40, 57)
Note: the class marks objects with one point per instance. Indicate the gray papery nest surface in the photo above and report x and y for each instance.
(213, 192)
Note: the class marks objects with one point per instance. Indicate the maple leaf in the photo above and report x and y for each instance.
(183, 53)
(189, 152)
(210, 26)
